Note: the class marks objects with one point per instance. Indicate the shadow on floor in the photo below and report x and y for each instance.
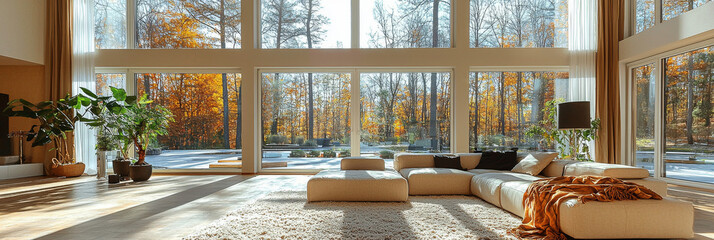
(136, 217)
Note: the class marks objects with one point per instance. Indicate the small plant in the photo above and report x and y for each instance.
(276, 139)
(345, 153)
(329, 154)
(386, 154)
(299, 140)
(297, 153)
(309, 143)
(313, 153)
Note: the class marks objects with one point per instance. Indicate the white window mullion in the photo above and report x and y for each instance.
(355, 117)
(659, 125)
(355, 24)
(131, 24)
(658, 12)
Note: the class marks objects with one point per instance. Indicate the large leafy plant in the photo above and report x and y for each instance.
(126, 119)
(56, 121)
(572, 143)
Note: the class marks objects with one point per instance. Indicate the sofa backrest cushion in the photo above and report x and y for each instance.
(413, 160)
(448, 161)
(556, 168)
(362, 163)
(605, 170)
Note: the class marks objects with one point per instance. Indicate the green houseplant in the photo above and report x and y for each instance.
(56, 121)
(570, 144)
(129, 121)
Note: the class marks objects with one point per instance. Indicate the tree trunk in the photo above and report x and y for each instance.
(502, 105)
(690, 99)
(310, 112)
(519, 107)
(239, 121)
(224, 81)
(432, 103)
(476, 113)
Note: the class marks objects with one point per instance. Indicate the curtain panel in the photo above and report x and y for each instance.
(83, 76)
(610, 25)
(58, 56)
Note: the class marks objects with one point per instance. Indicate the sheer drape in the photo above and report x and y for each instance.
(582, 46)
(83, 76)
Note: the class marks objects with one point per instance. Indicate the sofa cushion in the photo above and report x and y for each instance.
(534, 163)
(656, 185)
(487, 186)
(498, 160)
(666, 218)
(437, 181)
(512, 196)
(482, 171)
(362, 163)
(447, 161)
(556, 168)
(605, 170)
(413, 160)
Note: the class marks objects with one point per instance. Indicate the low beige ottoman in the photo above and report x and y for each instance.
(357, 185)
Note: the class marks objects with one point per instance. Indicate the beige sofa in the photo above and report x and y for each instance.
(668, 218)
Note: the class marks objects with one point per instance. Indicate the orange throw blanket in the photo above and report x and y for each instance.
(543, 198)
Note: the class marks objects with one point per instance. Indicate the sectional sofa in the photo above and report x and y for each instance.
(362, 179)
(667, 218)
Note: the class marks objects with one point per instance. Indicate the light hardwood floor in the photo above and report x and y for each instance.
(170, 207)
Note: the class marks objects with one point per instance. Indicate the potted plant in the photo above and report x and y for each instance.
(570, 144)
(56, 121)
(131, 121)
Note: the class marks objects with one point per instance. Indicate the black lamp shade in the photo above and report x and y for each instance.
(574, 115)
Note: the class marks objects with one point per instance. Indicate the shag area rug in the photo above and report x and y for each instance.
(287, 215)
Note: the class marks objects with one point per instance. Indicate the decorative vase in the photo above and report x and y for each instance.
(101, 165)
(121, 167)
(140, 173)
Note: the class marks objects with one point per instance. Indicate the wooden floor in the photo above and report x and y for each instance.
(170, 207)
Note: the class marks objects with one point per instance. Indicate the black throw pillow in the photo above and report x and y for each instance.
(498, 160)
(447, 161)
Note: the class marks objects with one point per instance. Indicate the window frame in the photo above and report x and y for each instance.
(629, 119)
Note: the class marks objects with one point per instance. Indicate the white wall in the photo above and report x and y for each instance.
(22, 30)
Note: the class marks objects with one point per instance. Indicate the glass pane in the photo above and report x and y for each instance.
(109, 24)
(519, 24)
(405, 24)
(504, 105)
(689, 145)
(306, 119)
(188, 23)
(405, 112)
(106, 80)
(644, 15)
(673, 8)
(196, 139)
(644, 78)
(305, 24)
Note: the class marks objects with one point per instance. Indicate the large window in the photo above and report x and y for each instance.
(207, 127)
(644, 14)
(305, 23)
(674, 8)
(503, 105)
(168, 24)
(403, 112)
(405, 24)
(688, 112)
(519, 24)
(644, 79)
(306, 119)
(110, 24)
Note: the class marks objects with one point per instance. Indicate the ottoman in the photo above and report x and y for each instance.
(357, 186)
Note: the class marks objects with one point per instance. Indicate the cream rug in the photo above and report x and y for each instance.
(286, 215)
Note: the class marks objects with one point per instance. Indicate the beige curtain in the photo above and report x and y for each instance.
(610, 32)
(58, 57)
(58, 49)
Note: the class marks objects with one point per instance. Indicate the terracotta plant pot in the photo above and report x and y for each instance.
(68, 170)
(121, 167)
(140, 173)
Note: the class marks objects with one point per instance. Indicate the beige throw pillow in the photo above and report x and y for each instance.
(534, 163)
